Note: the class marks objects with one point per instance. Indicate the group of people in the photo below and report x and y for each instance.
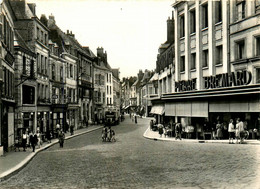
(237, 131)
(108, 134)
(30, 140)
(133, 117)
(175, 131)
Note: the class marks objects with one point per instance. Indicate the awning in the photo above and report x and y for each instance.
(157, 109)
(126, 107)
(155, 77)
(163, 75)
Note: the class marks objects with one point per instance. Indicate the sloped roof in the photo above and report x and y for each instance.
(21, 9)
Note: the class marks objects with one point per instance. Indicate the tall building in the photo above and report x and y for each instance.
(216, 64)
(7, 66)
(36, 35)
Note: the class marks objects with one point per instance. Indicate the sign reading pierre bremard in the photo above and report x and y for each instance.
(218, 81)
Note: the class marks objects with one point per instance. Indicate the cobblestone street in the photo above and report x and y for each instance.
(136, 162)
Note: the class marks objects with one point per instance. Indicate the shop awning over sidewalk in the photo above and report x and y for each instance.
(157, 109)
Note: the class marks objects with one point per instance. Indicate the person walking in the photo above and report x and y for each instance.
(33, 141)
(219, 130)
(231, 131)
(240, 130)
(160, 129)
(178, 131)
(24, 140)
(151, 125)
(72, 130)
(38, 133)
(61, 138)
(135, 119)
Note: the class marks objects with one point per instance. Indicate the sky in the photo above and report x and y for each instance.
(130, 31)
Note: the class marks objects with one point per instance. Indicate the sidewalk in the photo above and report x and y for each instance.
(12, 162)
(154, 135)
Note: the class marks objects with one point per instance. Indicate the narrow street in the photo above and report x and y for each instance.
(135, 162)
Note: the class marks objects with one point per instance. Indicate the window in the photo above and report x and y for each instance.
(61, 74)
(107, 90)
(32, 69)
(241, 9)
(97, 79)
(71, 70)
(258, 46)
(38, 33)
(107, 101)
(46, 39)
(205, 16)
(42, 64)
(182, 26)
(218, 11)
(46, 66)
(24, 65)
(240, 49)
(205, 58)
(110, 89)
(257, 75)
(28, 94)
(182, 64)
(192, 21)
(219, 55)
(53, 71)
(104, 96)
(193, 61)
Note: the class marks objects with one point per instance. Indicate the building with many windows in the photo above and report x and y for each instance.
(216, 65)
(7, 67)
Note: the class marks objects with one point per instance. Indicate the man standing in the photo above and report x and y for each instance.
(61, 138)
(24, 140)
(33, 140)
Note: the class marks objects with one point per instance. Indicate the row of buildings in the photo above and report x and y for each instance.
(47, 77)
(208, 70)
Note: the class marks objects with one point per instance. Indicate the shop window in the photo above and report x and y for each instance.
(182, 26)
(182, 64)
(258, 46)
(218, 6)
(192, 21)
(193, 61)
(257, 75)
(240, 49)
(219, 54)
(205, 15)
(241, 9)
(205, 58)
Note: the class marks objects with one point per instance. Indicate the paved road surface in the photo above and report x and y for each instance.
(136, 162)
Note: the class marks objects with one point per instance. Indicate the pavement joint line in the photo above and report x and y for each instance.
(9, 173)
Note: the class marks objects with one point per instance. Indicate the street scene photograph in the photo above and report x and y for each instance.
(130, 94)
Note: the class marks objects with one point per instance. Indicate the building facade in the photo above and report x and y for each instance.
(215, 68)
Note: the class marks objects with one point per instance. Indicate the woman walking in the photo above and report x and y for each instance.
(61, 138)
(231, 131)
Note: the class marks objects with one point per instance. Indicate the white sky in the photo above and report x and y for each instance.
(131, 31)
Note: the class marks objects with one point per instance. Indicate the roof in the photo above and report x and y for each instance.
(21, 9)
(19, 42)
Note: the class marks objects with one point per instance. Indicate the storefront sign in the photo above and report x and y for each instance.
(228, 80)
(185, 85)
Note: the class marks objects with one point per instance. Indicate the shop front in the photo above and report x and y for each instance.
(158, 111)
(200, 111)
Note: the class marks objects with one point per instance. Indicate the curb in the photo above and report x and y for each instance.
(9, 173)
(192, 140)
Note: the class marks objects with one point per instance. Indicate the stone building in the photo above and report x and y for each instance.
(35, 34)
(7, 101)
(215, 69)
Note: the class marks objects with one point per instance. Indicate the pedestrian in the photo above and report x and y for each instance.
(231, 131)
(48, 135)
(178, 131)
(109, 134)
(16, 144)
(160, 129)
(72, 130)
(57, 130)
(151, 125)
(135, 119)
(39, 141)
(165, 130)
(219, 130)
(24, 141)
(33, 141)
(113, 138)
(240, 130)
(61, 138)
